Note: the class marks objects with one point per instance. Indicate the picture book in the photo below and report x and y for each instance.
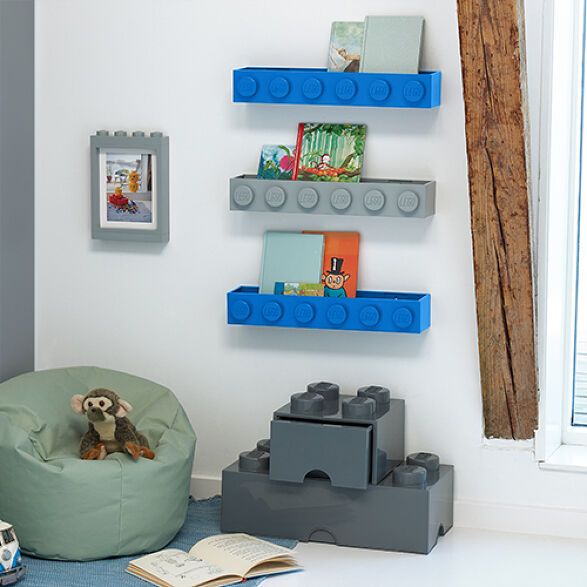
(341, 263)
(277, 162)
(346, 44)
(392, 44)
(329, 152)
(299, 289)
(290, 257)
(214, 561)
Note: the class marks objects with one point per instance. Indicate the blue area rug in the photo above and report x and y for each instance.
(203, 520)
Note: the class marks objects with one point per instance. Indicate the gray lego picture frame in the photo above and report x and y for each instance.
(130, 186)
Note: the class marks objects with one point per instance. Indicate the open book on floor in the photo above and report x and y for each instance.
(213, 562)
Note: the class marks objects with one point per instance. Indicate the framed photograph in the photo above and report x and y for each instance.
(130, 186)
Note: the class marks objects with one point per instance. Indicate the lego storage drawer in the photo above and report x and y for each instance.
(300, 449)
(369, 197)
(281, 85)
(369, 311)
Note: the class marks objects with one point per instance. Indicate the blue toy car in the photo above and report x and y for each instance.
(11, 567)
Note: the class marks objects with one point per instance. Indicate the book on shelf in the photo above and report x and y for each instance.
(392, 44)
(341, 263)
(329, 152)
(289, 288)
(290, 257)
(276, 162)
(346, 44)
(214, 562)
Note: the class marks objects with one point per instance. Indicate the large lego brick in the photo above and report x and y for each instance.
(342, 452)
(370, 311)
(277, 85)
(302, 450)
(384, 516)
(369, 197)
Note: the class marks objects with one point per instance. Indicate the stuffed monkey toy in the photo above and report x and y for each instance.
(109, 428)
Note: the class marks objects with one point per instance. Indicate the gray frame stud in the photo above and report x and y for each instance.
(139, 140)
(369, 197)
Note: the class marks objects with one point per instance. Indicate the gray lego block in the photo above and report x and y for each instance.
(156, 144)
(307, 448)
(300, 448)
(385, 516)
(369, 197)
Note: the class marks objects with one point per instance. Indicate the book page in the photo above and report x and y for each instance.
(239, 553)
(176, 569)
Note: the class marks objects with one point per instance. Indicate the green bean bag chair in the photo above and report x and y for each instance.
(66, 508)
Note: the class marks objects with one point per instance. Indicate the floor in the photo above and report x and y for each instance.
(462, 558)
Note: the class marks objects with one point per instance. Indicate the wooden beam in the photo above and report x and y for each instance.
(493, 67)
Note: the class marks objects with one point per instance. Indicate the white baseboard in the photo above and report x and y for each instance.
(203, 486)
(540, 520)
(547, 521)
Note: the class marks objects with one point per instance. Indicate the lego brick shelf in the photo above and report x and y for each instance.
(369, 197)
(281, 85)
(370, 311)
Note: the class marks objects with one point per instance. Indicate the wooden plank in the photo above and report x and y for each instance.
(492, 58)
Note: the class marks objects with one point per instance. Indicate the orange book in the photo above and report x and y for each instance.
(341, 263)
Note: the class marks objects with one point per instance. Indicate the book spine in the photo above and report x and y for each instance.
(364, 46)
(299, 140)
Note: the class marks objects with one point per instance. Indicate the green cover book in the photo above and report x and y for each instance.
(290, 257)
(329, 152)
(392, 44)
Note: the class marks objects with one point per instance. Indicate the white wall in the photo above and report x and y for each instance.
(160, 311)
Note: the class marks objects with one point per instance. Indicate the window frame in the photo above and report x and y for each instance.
(556, 260)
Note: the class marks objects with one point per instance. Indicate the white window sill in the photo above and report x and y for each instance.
(567, 457)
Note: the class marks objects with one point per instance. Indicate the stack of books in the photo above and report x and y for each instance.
(323, 152)
(380, 44)
(310, 263)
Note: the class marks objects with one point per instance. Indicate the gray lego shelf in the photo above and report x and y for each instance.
(369, 197)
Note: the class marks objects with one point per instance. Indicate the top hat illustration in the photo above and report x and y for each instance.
(336, 266)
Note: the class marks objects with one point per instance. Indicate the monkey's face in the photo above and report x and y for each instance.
(100, 405)
(99, 409)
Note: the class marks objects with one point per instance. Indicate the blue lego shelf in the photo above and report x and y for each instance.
(371, 311)
(281, 85)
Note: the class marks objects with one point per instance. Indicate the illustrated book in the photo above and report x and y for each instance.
(291, 257)
(346, 44)
(392, 44)
(329, 152)
(276, 162)
(341, 263)
(213, 562)
(299, 289)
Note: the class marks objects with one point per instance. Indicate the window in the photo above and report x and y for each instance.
(577, 413)
(561, 259)
(7, 536)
